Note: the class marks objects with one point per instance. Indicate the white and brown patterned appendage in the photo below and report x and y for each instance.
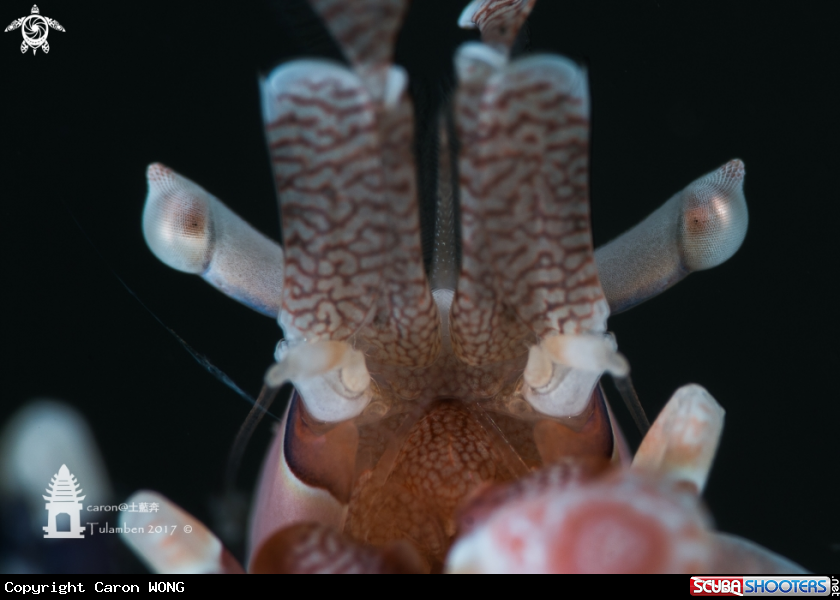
(322, 135)
(406, 327)
(498, 20)
(483, 329)
(527, 245)
(366, 30)
(317, 548)
(532, 152)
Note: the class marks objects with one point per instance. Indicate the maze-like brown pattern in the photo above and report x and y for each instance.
(346, 181)
(365, 29)
(500, 21)
(483, 329)
(323, 140)
(444, 456)
(406, 327)
(315, 548)
(533, 153)
(525, 212)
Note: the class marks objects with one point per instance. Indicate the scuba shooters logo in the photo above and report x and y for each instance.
(751, 585)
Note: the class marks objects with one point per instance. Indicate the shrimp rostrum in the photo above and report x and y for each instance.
(448, 415)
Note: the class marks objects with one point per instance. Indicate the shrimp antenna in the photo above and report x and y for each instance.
(198, 356)
(631, 401)
(261, 406)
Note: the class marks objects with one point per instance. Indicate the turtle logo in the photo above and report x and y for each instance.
(35, 29)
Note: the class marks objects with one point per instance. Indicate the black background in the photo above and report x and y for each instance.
(677, 89)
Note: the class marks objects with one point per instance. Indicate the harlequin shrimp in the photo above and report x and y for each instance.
(448, 417)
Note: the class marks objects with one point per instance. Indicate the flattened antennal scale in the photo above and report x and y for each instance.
(483, 330)
(322, 136)
(526, 190)
(340, 145)
(498, 20)
(405, 328)
(366, 30)
(528, 276)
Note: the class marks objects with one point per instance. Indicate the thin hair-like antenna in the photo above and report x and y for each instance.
(198, 356)
(243, 436)
(631, 401)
